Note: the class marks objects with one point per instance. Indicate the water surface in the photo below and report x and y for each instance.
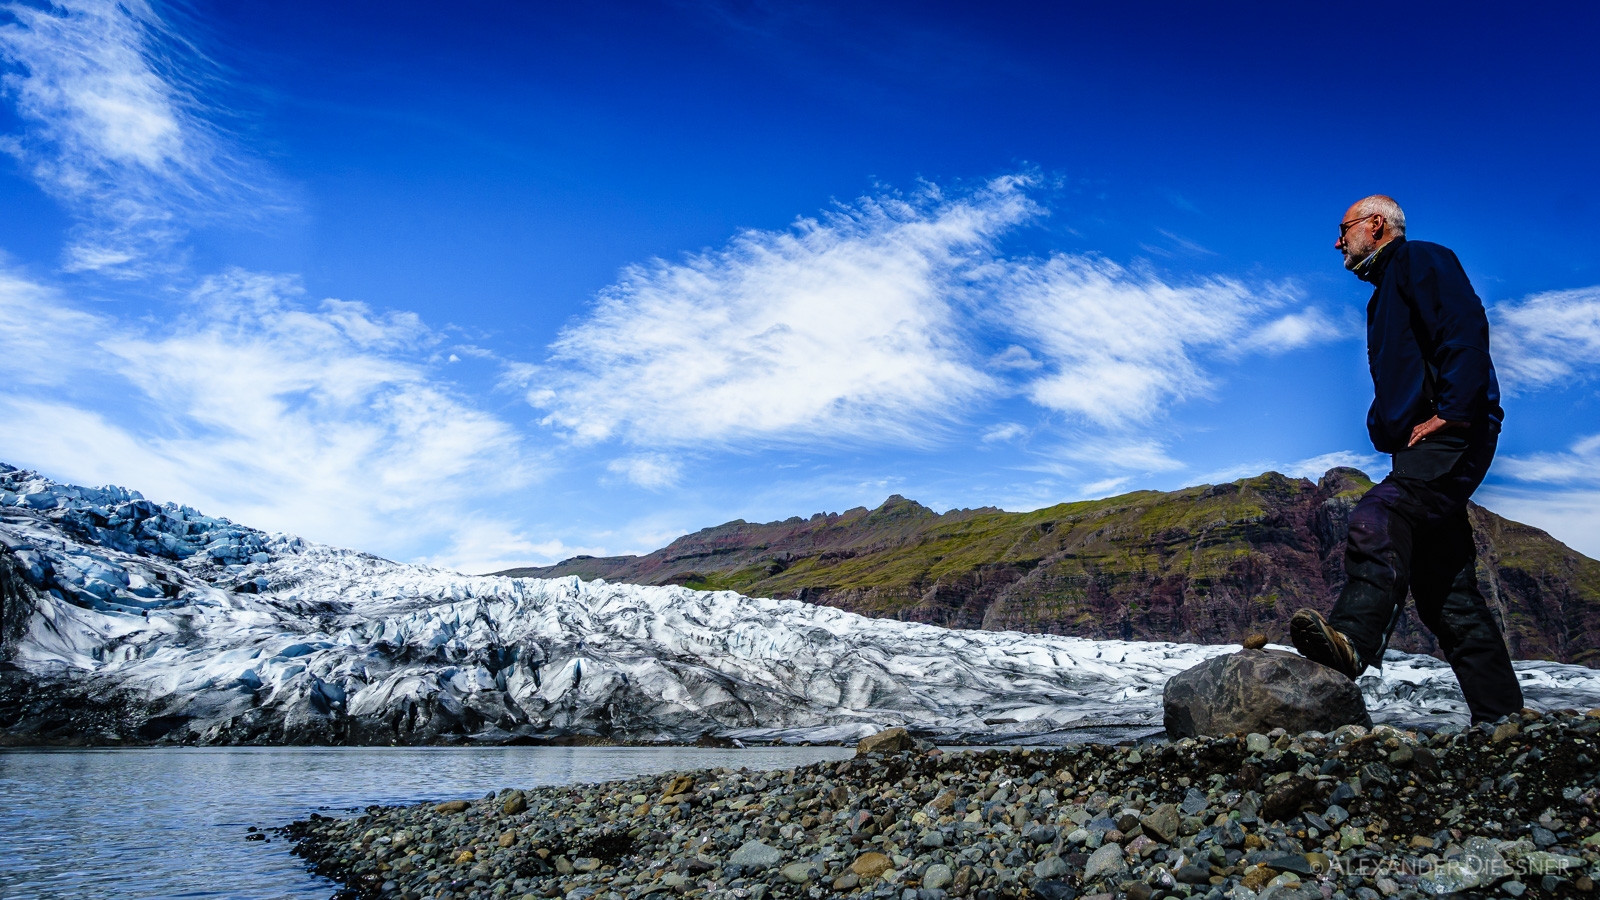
(171, 823)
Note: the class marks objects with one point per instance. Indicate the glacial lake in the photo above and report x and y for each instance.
(171, 823)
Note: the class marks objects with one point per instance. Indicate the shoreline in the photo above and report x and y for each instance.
(1357, 814)
(1092, 732)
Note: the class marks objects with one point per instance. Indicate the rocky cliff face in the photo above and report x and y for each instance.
(1205, 564)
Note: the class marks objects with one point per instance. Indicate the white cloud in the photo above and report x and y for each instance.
(478, 547)
(850, 327)
(1119, 345)
(652, 470)
(1293, 332)
(1105, 487)
(1580, 465)
(34, 322)
(322, 423)
(115, 130)
(1015, 358)
(1187, 244)
(1559, 492)
(1124, 454)
(1003, 433)
(1547, 338)
(1315, 467)
(877, 323)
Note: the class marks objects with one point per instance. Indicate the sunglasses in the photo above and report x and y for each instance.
(1346, 226)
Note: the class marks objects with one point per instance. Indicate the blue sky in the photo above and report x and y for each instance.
(543, 279)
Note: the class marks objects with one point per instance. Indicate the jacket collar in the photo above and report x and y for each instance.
(1372, 268)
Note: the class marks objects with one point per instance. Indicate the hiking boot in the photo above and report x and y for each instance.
(1319, 643)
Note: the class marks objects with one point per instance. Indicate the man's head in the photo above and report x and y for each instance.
(1368, 225)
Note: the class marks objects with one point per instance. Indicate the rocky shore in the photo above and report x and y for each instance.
(1498, 809)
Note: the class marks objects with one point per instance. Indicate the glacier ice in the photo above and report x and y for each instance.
(125, 619)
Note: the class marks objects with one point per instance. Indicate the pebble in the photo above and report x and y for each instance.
(1105, 861)
(1051, 867)
(939, 876)
(1162, 823)
(871, 865)
(756, 855)
(1211, 817)
(799, 872)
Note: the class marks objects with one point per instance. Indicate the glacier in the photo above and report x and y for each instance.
(127, 621)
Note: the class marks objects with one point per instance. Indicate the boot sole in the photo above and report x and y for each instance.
(1310, 637)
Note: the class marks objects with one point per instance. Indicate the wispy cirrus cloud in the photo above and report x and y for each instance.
(1557, 491)
(1099, 463)
(33, 320)
(483, 545)
(1548, 338)
(327, 422)
(879, 323)
(649, 470)
(1294, 331)
(1004, 432)
(844, 328)
(1119, 345)
(1580, 464)
(117, 131)
(1105, 487)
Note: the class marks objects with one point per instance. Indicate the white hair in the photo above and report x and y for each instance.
(1382, 205)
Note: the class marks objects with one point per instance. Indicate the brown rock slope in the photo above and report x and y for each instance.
(1206, 564)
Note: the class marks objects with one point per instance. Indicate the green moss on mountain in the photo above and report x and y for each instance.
(1208, 563)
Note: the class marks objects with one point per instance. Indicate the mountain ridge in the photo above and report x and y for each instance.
(1206, 564)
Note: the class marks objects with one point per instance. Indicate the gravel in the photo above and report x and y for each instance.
(1501, 809)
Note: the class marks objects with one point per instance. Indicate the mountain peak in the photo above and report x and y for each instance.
(899, 507)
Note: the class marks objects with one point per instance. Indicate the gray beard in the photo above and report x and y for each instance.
(1354, 264)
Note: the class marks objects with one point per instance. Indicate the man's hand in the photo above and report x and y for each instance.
(1431, 426)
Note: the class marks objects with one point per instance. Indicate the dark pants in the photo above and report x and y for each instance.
(1411, 532)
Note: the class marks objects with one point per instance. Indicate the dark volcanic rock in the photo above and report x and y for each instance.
(16, 601)
(865, 830)
(1257, 691)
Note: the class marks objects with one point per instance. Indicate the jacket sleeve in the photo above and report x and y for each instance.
(1456, 332)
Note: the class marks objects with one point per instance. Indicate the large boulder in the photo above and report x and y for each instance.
(890, 740)
(1257, 691)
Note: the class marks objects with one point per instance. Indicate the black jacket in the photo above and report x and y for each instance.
(1427, 345)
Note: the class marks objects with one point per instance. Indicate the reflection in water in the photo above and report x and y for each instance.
(171, 822)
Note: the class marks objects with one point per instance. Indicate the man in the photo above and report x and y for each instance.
(1437, 410)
